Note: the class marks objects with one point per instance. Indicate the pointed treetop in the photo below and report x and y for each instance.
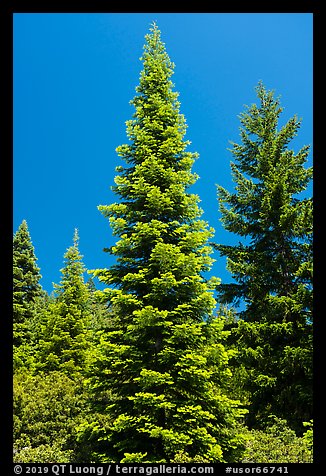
(76, 238)
(23, 227)
(22, 240)
(154, 27)
(154, 31)
(154, 44)
(26, 273)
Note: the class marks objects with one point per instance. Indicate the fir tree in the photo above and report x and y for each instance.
(26, 291)
(66, 327)
(272, 265)
(158, 384)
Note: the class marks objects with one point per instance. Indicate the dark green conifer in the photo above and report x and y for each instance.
(272, 264)
(26, 291)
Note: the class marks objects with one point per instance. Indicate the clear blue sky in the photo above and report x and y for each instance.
(74, 75)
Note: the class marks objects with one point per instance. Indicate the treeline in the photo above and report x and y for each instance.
(161, 366)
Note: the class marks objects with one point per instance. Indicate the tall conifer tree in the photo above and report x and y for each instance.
(26, 289)
(65, 338)
(272, 265)
(158, 384)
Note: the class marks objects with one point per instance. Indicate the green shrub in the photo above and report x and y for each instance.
(43, 454)
(47, 409)
(277, 444)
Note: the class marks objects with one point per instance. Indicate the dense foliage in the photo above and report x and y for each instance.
(26, 292)
(163, 364)
(64, 335)
(147, 370)
(272, 265)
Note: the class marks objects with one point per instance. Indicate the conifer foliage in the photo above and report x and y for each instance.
(272, 265)
(26, 287)
(64, 337)
(143, 370)
(163, 356)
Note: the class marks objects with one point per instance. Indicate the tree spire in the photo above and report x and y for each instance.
(26, 286)
(272, 265)
(163, 342)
